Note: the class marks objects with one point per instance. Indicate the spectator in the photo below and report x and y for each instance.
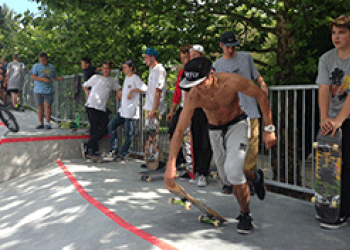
(43, 75)
(128, 113)
(242, 63)
(155, 96)
(14, 79)
(334, 104)
(101, 86)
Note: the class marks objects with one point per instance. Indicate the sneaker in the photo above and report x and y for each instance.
(143, 166)
(111, 155)
(84, 150)
(121, 160)
(245, 225)
(334, 226)
(201, 181)
(47, 126)
(259, 185)
(41, 126)
(192, 181)
(227, 189)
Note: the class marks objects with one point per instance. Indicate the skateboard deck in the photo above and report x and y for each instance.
(150, 175)
(186, 200)
(328, 176)
(152, 143)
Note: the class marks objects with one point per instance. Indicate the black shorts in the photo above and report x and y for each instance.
(9, 91)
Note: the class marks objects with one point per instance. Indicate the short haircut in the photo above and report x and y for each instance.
(86, 60)
(109, 63)
(15, 56)
(43, 54)
(341, 21)
(185, 49)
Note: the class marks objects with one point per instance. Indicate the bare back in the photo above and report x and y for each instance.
(220, 102)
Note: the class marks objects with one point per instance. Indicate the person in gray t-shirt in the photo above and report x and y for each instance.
(334, 104)
(14, 78)
(242, 63)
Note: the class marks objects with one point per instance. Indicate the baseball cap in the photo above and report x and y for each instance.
(228, 39)
(195, 72)
(151, 52)
(198, 48)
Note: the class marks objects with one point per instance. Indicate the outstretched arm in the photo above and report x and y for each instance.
(175, 144)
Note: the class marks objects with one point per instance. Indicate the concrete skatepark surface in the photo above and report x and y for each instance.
(84, 205)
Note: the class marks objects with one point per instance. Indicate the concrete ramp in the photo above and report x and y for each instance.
(30, 148)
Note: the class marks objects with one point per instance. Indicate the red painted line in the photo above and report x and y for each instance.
(117, 219)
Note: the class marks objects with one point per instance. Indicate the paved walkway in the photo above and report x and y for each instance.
(113, 209)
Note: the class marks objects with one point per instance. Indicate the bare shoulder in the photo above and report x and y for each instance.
(229, 79)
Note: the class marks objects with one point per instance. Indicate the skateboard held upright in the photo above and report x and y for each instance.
(152, 143)
(328, 161)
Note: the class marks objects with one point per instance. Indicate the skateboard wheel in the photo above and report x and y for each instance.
(149, 179)
(313, 199)
(171, 201)
(216, 223)
(334, 204)
(188, 206)
(335, 147)
(315, 145)
(200, 218)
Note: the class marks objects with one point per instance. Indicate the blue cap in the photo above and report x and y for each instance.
(151, 52)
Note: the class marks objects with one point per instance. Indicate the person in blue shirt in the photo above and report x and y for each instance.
(43, 75)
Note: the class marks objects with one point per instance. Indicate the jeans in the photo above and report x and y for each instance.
(129, 133)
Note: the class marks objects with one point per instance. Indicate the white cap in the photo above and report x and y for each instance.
(198, 48)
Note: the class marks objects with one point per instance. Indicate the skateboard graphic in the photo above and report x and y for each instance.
(186, 200)
(150, 175)
(152, 143)
(328, 176)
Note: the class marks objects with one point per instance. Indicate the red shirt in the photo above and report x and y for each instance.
(178, 92)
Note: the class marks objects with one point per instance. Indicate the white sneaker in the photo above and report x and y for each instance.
(202, 181)
(192, 181)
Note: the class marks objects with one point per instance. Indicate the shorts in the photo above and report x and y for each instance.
(40, 98)
(253, 148)
(230, 146)
(13, 91)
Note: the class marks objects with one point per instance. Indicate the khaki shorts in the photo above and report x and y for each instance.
(253, 147)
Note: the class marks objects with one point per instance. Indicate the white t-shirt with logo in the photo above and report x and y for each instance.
(100, 88)
(156, 80)
(130, 108)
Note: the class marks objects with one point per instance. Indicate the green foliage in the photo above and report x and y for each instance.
(286, 38)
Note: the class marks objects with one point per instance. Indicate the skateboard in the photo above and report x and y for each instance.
(328, 176)
(99, 159)
(152, 143)
(150, 175)
(186, 200)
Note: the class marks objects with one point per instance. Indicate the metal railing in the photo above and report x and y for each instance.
(289, 164)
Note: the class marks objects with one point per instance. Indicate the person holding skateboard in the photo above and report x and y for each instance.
(101, 86)
(242, 63)
(217, 94)
(173, 116)
(334, 104)
(128, 113)
(155, 99)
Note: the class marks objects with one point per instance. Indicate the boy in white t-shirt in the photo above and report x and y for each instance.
(128, 113)
(101, 86)
(155, 105)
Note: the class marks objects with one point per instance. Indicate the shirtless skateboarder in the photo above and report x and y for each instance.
(229, 127)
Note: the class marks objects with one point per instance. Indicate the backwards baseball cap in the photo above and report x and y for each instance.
(198, 48)
(228, 39)
(151, 52)
(195, 72)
